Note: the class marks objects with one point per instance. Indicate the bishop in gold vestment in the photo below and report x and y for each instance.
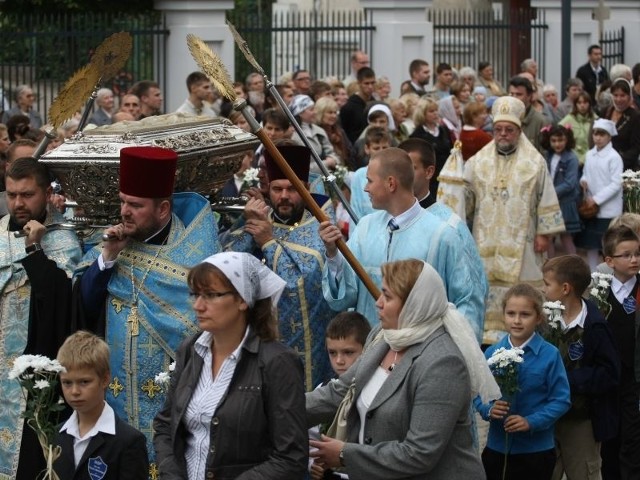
(513, 207)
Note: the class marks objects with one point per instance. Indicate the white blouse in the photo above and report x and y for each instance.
(204, 402)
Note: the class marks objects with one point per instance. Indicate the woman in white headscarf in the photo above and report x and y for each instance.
(404, 405)
(235, 404)
(302, 108)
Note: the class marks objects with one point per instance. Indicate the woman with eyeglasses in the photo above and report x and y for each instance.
(235, 406)
(627, 120)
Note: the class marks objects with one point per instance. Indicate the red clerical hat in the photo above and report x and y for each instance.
(147, 172)
(298, 158)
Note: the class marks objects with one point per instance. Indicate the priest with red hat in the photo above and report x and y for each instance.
(133, 289)
(285, 236)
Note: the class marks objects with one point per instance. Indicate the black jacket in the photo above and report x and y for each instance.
(589, 79)
(122, 456)
(259, 428)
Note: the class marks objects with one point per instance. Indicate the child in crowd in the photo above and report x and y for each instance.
(593, 368)
(563, 167)
(379, 116)
(601, 183)
(621, 248)
(95, 443)
(581, 120)
(345, 337)
(376, 139)
(522, 427)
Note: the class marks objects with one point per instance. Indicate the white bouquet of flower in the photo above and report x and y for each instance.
(631, 191)
(599, 291)
(164, 378)
(250, 178)
(503, 364)
(555, 322)
(38, 376)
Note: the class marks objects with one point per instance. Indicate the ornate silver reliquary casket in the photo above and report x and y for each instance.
(87, 165)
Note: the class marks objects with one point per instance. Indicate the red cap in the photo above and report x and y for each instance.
(147, 172)
(298, 158)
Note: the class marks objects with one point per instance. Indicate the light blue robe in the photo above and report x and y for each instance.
(296, 254)
(166, 315)
(426, 237)
(61, 246)
(360, 201)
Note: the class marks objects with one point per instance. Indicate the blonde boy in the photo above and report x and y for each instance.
(95, 443)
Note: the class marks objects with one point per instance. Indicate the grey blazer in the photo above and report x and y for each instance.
(418, 425)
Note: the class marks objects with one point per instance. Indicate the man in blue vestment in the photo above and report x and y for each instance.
(35, 302)
(133, 287)
(399, 229)
(287, 240)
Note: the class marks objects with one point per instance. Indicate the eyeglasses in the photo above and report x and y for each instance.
(130, 104)
(627, 255)
(505, 131)
(208, 296)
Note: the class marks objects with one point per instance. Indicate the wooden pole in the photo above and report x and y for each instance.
(240, 105)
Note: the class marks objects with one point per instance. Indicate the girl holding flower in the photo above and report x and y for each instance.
(520, 444)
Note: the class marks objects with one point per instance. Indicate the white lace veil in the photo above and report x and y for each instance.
(253, 280)
(424, 311)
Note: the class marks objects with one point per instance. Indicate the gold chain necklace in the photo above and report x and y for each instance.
(133, 319)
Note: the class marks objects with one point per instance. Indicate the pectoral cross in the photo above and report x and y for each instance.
(134, 321)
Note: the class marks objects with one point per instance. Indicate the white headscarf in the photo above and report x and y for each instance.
(425, 310)
(253, 280)
(447, 112)
(381, 107)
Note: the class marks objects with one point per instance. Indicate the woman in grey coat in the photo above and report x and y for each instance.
(405, 413)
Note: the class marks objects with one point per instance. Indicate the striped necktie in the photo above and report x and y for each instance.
(392, 226)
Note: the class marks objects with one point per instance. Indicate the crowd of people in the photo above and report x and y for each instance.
(280, 361)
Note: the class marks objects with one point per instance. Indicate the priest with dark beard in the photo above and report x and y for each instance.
(285, 236)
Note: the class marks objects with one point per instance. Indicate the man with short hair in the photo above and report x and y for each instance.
(199, 88)
(286, 239)
(22, 147)
(513, 207)
(104, 104)
(301, 82)
(35, 302)
(353, 116)
(530, 66)
(150, 97)
(131, 104)
(444, 79)
(419, 73)
(593, 73)
(132, 289)
(533, 121)
(255, 82)
(358, 60)
(400, 229)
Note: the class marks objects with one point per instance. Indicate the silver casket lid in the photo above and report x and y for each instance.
(209, 152)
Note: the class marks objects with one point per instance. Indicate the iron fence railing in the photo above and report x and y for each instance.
(43, 51)
(318, 41)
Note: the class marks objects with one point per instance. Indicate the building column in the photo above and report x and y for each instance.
(402, 35)
(203, 18)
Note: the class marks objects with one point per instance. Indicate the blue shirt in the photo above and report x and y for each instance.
(543, 398)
